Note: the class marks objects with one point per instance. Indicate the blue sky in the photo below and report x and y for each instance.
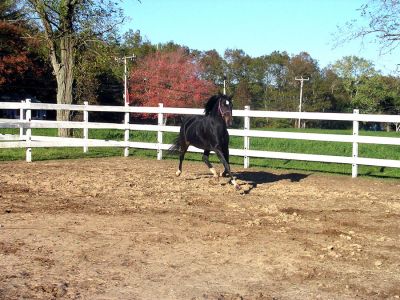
(258, 27)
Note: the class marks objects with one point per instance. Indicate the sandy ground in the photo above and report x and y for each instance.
(128, 228)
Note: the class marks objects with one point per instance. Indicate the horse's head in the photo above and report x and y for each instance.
(220, 106)
(225, 109)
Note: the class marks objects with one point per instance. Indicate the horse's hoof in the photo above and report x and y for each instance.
(215, 174)
(178, 173)
(235, 184)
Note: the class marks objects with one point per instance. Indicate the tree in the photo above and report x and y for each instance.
(302, 64)
(378, 94)
(22, 68)
(333, 90)
(381, 19)
(353, 71)
(214, 66)
(134, 43)
(277, 69)
(275, 79)
(10, 10)
(238, 63)
(173, 78)
(92, 61)
(66, 24)
(14, 60)
(245, 75)
(242, 96)
(317, 96)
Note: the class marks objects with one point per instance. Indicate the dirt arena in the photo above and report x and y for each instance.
(128, 228)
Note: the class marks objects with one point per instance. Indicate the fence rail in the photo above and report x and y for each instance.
(26, 140)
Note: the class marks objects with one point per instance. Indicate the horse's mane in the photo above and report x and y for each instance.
(208, 108)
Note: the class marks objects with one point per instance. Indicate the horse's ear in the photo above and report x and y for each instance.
(230, 97)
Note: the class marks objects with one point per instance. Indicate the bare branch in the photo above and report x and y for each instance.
(381, 18)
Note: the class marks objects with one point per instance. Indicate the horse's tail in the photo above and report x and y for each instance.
(180, 140)
(176, 146)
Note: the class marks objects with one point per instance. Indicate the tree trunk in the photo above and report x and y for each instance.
(64, 77)
(60, 40)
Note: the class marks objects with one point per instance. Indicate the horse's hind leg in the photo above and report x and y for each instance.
(206, 155)
(184, 148)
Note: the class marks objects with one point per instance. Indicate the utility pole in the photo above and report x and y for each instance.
(126, 101)
(124, 60)
(224, 85)
(301, 79)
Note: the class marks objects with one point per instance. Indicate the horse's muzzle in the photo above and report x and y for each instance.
(228, 119)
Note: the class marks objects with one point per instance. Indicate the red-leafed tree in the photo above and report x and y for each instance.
(14, 59)
(22, 69)
(173, 78)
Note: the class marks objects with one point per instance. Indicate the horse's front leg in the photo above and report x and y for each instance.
(206, 160)
(225, 152)
(221, 157)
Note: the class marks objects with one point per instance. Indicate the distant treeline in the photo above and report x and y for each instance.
(266, 82)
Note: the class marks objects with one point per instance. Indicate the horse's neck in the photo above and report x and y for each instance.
(218, 120)
(215, 114)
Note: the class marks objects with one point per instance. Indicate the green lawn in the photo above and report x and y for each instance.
(267, 144)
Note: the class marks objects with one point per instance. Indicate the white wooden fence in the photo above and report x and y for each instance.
(26, 140)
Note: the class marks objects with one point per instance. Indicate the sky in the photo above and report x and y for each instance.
(258, 27)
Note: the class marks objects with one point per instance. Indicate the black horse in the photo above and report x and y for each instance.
(208, 132)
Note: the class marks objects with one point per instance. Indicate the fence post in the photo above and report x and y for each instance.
(28, 132)
(85, 128)
(160, 133)
(354, 168)
(126, 132)
(21, 118)
(246, 159)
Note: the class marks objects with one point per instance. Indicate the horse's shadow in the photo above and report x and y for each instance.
(255, 178)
